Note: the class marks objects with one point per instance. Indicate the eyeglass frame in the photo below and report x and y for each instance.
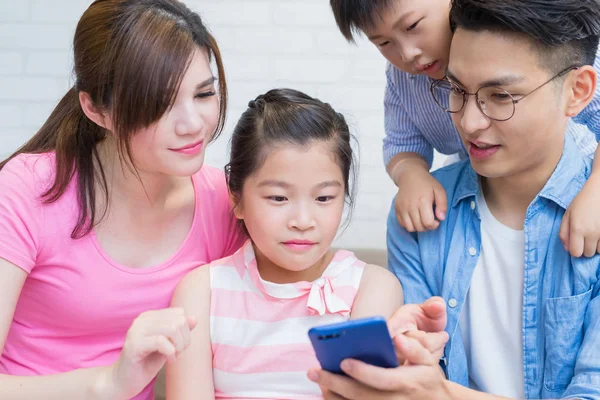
(466, 94)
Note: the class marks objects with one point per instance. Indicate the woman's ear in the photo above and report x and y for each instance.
(89, 109)
(581, 89)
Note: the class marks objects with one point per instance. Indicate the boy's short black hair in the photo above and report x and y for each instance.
(563, 32)
(354, 16)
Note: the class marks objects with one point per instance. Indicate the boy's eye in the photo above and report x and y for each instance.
(413, 26)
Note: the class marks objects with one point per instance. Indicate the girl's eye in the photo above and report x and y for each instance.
(277, 199)
(205, 94)
(324, 199)
(383, 44)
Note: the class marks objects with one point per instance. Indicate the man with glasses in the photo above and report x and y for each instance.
(523, 315)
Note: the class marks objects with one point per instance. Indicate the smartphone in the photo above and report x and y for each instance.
(365, 339)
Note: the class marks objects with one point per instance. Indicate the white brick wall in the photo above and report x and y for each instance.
(265, 44)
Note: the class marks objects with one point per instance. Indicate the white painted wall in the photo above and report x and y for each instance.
(265, 44)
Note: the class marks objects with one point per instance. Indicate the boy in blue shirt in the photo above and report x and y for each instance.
(414, 36)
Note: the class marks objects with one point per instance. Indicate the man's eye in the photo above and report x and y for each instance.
(456, 90)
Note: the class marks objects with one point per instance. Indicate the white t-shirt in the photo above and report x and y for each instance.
(491, 319)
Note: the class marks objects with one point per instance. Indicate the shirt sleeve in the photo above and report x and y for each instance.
(585, 383)
(401, 134)
(404, 260)
(20, 214)
(590, 116)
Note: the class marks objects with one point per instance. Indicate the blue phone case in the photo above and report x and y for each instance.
(365, 339)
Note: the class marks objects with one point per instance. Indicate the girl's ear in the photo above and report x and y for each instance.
(237, 205)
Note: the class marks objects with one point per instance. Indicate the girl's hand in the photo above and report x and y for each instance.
(154, 338)
(580, 228)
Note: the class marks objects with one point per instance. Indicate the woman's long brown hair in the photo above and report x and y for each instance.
(129, 57)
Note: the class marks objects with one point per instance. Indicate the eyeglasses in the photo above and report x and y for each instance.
(494, 102)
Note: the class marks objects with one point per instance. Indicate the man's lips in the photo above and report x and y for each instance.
(482, 151)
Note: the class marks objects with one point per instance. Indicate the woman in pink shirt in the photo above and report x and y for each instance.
(109, 205)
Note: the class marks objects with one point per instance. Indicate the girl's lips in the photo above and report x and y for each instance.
(299, 245)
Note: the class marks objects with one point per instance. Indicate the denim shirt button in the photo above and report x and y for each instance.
(472, 205)
(452, 303)
(472, 251)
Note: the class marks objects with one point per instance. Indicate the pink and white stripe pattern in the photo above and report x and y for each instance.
(259, 329)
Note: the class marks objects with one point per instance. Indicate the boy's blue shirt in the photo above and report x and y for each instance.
(415, 123)
(561, 294)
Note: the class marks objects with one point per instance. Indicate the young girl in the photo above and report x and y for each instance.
(108, 206)
(291, 162)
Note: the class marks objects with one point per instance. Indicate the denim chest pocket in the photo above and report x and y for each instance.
(563, 326)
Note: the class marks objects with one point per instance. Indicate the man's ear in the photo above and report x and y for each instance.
(237, 205)
(581, 89)
(99, 117)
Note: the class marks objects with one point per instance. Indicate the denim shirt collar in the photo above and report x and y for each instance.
(564, 184)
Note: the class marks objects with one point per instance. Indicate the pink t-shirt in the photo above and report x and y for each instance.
(77, 304)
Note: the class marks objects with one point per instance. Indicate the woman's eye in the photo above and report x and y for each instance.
(205, 94)
(384, 44)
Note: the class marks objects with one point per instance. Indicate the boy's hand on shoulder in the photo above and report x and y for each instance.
(418, 193)
(580, 228)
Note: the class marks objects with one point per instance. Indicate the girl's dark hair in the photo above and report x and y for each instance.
(354, 16)
(563, 32)
(288, 117)
(129, 57)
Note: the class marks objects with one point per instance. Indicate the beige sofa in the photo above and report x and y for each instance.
(377, 257)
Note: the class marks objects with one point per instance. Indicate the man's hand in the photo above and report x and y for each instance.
(420, 377)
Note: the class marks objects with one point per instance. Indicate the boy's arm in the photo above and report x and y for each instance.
(580, 228)
(408, 156)
(191, 376)
(401, 134)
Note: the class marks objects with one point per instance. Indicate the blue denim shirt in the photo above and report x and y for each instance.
(561, 294)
